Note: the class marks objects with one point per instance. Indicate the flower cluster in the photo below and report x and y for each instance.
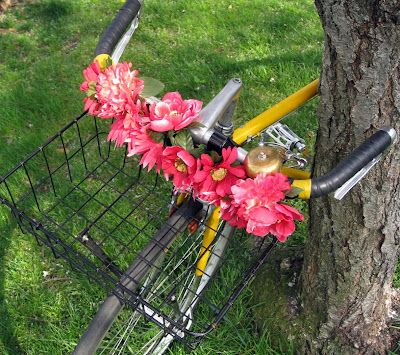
(255, 205)
(159, 132)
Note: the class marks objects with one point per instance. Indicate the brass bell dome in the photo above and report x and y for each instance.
(262, 159)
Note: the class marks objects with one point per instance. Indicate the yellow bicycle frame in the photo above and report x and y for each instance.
(251, 128)
(274, 114)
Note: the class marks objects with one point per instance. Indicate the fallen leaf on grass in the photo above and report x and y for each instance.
(61, 150)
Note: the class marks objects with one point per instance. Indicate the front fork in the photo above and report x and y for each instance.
(208, 219)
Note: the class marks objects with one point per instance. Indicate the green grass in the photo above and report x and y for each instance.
(193, 47)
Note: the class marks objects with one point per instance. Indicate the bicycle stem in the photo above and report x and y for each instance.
(216, 118)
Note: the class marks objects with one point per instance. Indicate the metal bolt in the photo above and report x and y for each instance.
(262, 156)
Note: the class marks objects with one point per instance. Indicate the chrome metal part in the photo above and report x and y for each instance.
(241, 155)
(119, 49)
(391, 131)
(349, 184)
(227, 131)
(300, 162)
(224, 124)
(284, 137)
(221, 107)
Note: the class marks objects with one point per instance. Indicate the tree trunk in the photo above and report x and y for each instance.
(352, 253)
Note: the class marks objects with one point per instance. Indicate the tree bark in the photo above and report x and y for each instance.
(350, 259)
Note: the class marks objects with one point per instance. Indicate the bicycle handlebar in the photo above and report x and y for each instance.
(118, 26)
(314, 187)
(357, 160)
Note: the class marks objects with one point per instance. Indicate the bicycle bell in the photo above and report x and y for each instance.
(262, 159)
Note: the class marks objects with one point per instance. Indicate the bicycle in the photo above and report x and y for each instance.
(171, 310)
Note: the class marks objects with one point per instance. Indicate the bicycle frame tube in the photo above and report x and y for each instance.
(219, 109)
(209, 235)
(275, 113)
(295, 173)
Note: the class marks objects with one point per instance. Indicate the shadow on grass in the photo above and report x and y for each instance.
(53, 10)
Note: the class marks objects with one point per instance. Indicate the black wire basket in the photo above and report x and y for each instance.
(96, 208)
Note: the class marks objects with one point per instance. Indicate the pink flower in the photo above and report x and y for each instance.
(120, 131)
(117, 90)
(214, 181)
(178, 162)
(260, 220)
(124, 126)
(277, 221)
(91, 75)
(266, 187)
(91, 105)
(139, 142)
(229, 213)
(255, 206)
(285, 225)
(152, 157)
(173, 113)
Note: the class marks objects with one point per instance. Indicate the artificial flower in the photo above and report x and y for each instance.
(173, 113)
(140, 143)
(118, 90)
(214, 181)
(91, 75)
(179, 163)
(256, 206)
(268, 188)
(285, 226)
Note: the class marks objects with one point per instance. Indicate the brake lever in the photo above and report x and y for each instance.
(119, 49)
(349, 184)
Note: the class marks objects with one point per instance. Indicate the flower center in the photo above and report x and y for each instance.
(180, 165)
(218, 175)
(173, 113)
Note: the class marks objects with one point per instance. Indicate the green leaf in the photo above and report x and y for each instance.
(92, 89)
(293, 192)
(92, 97)
(215, 157)
(197, 152)
(152, 87)
(197, 80)
(183, 139)
(109, 62)
(171, 136)
(157, 137)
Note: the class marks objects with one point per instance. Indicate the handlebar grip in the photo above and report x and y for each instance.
(118, 26)
(358, 159)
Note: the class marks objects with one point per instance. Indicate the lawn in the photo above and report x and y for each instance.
(194, 47)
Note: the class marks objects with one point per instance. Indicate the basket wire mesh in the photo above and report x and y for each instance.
(97, 209)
